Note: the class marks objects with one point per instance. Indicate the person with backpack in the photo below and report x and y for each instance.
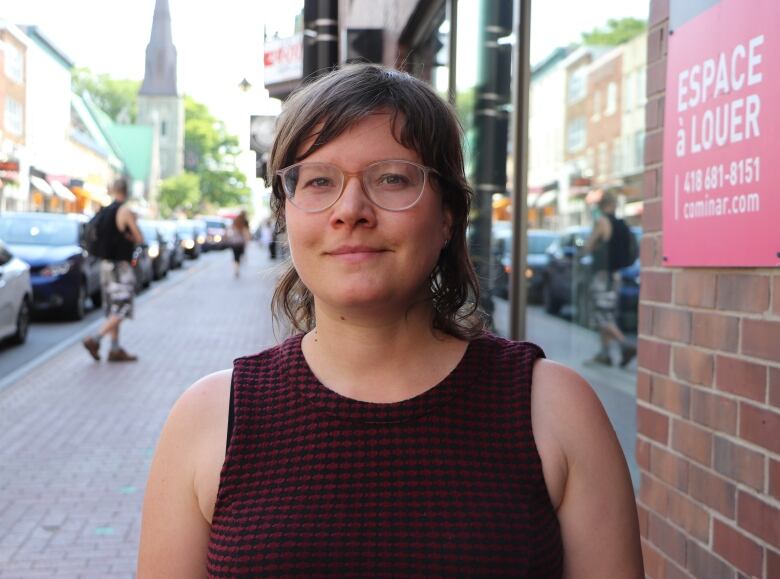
(613, 247)
(113, 235)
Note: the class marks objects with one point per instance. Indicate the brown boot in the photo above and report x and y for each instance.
(93, 347)
(119, 355)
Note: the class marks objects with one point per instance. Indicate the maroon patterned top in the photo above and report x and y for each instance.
(446, 484)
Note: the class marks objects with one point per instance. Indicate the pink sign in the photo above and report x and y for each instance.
(721, 172)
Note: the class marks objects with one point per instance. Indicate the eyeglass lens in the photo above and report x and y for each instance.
(393, 185)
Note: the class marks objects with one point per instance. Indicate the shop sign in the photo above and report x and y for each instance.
(283, 59)
(721, 135)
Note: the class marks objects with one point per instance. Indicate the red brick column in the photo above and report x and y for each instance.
(708, 392)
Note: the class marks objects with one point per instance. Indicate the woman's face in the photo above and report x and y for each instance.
(355, 254)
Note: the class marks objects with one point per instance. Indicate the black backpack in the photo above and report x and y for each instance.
(95, 235)
(623, 246)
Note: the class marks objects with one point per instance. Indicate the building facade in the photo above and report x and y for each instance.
(14, 163)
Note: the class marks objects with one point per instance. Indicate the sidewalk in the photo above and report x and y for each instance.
(77, 436)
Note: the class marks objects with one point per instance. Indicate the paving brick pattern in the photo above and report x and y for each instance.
(77, 436)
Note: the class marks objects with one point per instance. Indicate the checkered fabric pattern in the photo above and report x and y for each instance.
(446, 484)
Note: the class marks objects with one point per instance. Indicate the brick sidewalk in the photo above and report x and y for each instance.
(77, 436)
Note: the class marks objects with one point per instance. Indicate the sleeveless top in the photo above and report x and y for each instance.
(118, 247)
(446, 484)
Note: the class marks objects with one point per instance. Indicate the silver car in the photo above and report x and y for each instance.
(15, 296)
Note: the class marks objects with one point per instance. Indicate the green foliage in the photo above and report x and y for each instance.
(180, 193)
(211, 152)
(117, 98)
(616, 32)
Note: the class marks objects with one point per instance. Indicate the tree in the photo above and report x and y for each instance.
(117, 98)
(211, 152)
(616, 32)
(179, 193)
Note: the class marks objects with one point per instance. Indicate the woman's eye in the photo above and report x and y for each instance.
(392, 180)
(318, 182)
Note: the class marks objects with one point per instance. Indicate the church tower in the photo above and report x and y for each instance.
(159, 101)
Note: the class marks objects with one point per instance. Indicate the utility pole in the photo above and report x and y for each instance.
(517, 284)
(320, 37)
(491, 121)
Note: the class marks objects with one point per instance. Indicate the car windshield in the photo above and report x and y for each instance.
(32, 231)
(215, 224)
(540, 243)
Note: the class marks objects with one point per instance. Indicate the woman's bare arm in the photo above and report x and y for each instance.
(587, 477)
(183, 482)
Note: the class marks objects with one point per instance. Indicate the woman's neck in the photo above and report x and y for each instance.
(386, 360)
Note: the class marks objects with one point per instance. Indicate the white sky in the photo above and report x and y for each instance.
(219, 43)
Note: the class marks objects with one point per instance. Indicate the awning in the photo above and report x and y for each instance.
(92, 193)
(546, 198)
(41, 185)
(62, 192)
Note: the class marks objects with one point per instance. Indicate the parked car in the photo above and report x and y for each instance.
(143, 267)
(63, 275)
(156, 248)
(200, 233)
(216, 232)
(170, 236)
(16, 297)
(567, 280)
(537, 242)
(188, 234)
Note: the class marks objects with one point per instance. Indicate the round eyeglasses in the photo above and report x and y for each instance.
(394, 185)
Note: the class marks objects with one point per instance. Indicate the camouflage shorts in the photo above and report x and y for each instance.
(117, 280)
(603, 295)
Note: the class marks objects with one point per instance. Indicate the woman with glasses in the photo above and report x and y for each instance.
(391, 435)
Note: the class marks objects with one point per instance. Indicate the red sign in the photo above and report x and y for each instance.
(721, 173)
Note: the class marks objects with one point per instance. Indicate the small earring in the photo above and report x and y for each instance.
(446, 243)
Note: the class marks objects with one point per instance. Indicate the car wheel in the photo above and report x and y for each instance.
(79, 307)
(22, 323)
(551, 304)
(97, 298)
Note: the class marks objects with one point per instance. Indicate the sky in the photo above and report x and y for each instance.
(220, 43)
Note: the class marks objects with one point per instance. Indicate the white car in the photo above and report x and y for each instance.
(15, 297)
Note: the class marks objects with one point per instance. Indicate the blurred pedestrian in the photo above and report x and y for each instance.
(391, 435)
(238, 235)
(117, 235)
(268, 238)
(609, 244)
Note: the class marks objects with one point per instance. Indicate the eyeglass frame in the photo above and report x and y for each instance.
(347, 175)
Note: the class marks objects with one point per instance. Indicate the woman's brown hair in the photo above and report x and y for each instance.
(326, 108)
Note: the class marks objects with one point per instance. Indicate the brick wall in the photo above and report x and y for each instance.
(708, 393)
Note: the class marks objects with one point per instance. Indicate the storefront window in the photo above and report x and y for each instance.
(585, 139)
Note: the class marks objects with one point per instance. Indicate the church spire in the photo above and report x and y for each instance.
(160, 72)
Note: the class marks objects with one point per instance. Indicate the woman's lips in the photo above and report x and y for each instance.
(355, 254)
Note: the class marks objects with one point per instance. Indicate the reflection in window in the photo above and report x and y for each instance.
(576, 134)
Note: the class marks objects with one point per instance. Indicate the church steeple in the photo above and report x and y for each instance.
(160, 73)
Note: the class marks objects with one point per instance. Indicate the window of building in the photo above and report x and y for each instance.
(629, 83)
(577, 85)
(14, 116)
(611, 106)
(163, 128)
(596, 106)
(641, 97)
(576, 135)
(14, 67)
(639, 149)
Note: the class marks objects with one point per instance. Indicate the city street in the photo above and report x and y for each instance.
(78, 435)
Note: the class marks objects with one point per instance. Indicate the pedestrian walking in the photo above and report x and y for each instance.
(238, 235)
(613, 247)
(116, 236)
(391, 435)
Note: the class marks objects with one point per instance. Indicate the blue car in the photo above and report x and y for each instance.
(63, 275)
